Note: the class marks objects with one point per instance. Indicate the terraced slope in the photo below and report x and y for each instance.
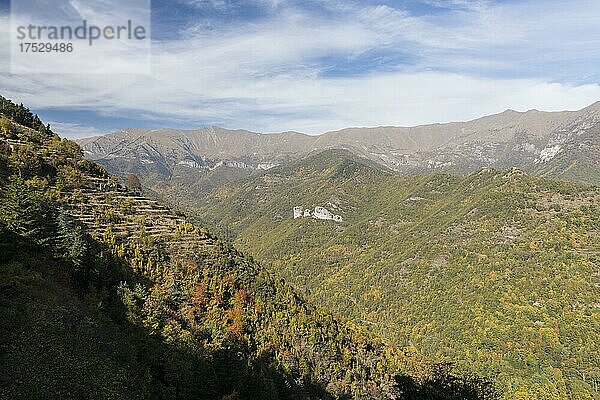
(104, 293)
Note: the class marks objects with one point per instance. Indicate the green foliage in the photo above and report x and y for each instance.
(72, 245)
(53, 343)
(24, 162)
(7, 128)
(62, 149)
(90, 310)
(25, 211)
(496, 272)
(23, 116)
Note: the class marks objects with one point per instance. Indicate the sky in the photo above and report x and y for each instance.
(314, 66)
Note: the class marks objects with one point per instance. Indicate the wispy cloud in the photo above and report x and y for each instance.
(476, 5)
(75, 131)
(278, 72)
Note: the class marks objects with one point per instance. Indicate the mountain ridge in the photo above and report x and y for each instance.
(592, 107)
(527, 140)
(478, 268)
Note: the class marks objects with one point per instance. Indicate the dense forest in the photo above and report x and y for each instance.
(106, 294)
(497, 271)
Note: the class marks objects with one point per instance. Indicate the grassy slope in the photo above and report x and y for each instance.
(497, 269)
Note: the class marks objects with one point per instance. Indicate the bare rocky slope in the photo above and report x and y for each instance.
(544, 143)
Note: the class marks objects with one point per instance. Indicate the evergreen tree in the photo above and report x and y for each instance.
(26, 212)
(72, 245)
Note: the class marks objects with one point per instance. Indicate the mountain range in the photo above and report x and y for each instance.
(495, 271)
(561, 145)
(474, 278)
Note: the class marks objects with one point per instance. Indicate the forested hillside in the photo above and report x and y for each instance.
(106, 294)
(498, 271)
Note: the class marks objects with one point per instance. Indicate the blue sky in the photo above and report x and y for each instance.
(313, 66)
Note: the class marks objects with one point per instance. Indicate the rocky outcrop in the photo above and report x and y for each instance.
(318, 213)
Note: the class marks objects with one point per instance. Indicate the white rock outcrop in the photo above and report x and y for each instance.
(549, 153)
(320, 213)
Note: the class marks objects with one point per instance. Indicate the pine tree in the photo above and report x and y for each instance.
(24, 211)
(71, 243)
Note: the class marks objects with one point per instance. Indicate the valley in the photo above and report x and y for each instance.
(300, 200)
(104, 292)
(487, 261)
(490, 269)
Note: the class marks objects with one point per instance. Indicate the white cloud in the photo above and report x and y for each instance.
(267, 76)
(476, 5)
(75, 131)
(4, 43)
